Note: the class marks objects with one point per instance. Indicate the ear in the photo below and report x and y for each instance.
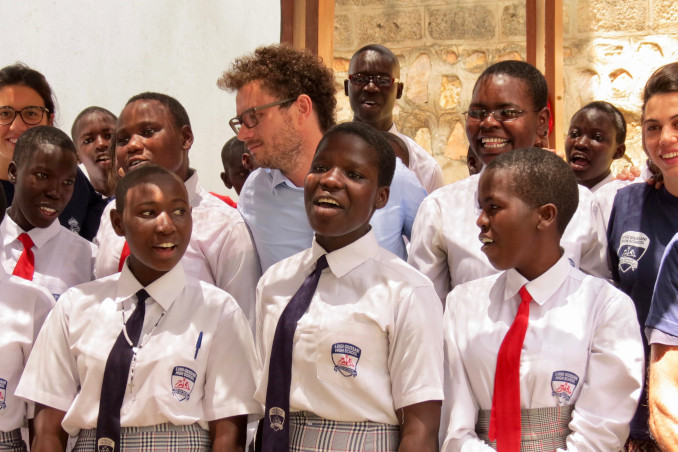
(548, 216)
(619, 152)
(304, 106)
(543, 122)
(226, 181)
(11, 172)
(116, 221)
(346, 87)
(247, 163)
(382, 196)
(187, 137)
(399, 93)
(50, 119)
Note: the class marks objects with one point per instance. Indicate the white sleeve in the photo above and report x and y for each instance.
(594, 256)
(428, 251)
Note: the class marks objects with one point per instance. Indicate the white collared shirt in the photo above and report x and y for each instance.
(605, 196)
(445, 245)
(385, 311)
(202, 347)
(24, 308)
(220, 251)
(422, 164)
(62, 259)
(582, 347)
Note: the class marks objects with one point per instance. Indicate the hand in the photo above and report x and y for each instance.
(629, 173)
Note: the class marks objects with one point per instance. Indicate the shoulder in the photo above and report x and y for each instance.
(464, 189)
(213, 210)
(26, 294)
(89, 294)
(393, 268)
(73, 241)
(211, 297)
(290, 268)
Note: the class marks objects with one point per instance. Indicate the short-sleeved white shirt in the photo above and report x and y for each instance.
(422, 164)
(582, 347)
(445, 245)
(371, 340)
(24, 308)
(220, 251)
(175, 381)
(62, 259)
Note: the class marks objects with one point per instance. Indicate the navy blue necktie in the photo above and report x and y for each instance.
(115, 379)
(276, 434)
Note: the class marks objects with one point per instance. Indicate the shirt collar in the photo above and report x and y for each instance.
(163, 290)
(192, 187)
(393, 128)
(40, 236)
(347, 258)
(541, 288)
(278, 178)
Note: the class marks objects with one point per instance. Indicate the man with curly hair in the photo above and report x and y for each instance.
(285, 102)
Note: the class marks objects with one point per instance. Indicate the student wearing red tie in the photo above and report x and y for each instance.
(540, 356)
(35, 246)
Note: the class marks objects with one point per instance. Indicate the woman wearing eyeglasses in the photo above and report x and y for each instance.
(26, 101)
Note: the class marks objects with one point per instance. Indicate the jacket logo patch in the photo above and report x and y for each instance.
(632, 247)
(183, 380)
(345, 358)
(563, 384)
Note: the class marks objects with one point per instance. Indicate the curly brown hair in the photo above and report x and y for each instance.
(285, 72)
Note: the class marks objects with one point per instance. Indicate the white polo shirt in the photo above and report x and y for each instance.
(422, 164)
(24, 308)
(197, 366)
(371, 340)
(582, 347)
(63, 259)
(445, 245)
(220, 251)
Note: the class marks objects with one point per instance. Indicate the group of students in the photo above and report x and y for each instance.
(181, 342)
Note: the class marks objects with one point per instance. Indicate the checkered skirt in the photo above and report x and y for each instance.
(155, 438)
(309, 433)
(12, 441)
(541, 429)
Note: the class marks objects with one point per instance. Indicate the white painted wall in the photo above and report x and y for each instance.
(102, 52)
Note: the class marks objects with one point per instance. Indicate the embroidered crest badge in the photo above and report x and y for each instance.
(563, 384)
(105, 445)
(276, 417)
(632, 247)
(73, 225)
(3, 393)
(183, 380)
(345, 358)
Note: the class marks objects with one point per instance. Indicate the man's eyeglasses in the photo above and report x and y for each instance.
(500, 114)
(382, 81)
(29, 115)
(248, 118)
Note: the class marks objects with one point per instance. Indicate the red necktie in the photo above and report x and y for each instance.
(505, 417)
(123, 255)
(26, 264)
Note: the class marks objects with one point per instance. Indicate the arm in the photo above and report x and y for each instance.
(49, 436)
(228, 434)
(663, 396)
(419, 427)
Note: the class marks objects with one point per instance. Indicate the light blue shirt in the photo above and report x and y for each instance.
(273, 208)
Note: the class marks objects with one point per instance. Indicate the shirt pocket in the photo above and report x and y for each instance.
(351, 354)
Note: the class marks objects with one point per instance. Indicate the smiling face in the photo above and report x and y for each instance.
(370, 103)
(508, 226)
(92, 137)
(341, 190)
(591, 145)
(275, 142)
(43, 186)
(146, 132)
(660, 136)
(18, 97)
(489, 137)
(156, 222)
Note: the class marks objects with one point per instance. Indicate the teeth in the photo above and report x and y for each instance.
(670, 155)
(327, 201)
(486, 240)
(13, 140)
(165, 245)
(493, 142)
(48, 210)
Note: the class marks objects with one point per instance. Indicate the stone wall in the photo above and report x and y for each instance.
(610, 49)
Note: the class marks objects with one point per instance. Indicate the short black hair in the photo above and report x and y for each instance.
(175, 108)
(232, 148)
(614, 114)
(139, 176)
(20, 74)
(384, 155)
(31, 140)
(536, 84)
(87, 111)
(540, 177)
(384, 51)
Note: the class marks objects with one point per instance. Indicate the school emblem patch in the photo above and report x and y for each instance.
(183, 380)
(105, 445)
(73, 225)
(3, 393)
(632, 247)
(563, 384)
(345, 358)
(276, 417)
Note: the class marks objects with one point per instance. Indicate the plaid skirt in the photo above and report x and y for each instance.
(541, 429)
(12, 441)
(309, 433)
(162, 437)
